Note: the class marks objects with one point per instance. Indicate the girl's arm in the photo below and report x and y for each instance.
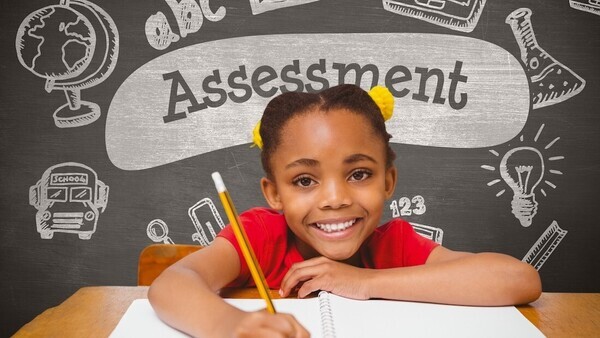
(451, 277)
(448, 277)
(184, 296)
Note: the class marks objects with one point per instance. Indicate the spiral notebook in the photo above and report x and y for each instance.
(331, 316)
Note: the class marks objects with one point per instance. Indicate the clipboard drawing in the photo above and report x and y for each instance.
(206, 220)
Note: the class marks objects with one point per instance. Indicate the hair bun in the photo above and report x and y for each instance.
(384, 100)
(256, 138)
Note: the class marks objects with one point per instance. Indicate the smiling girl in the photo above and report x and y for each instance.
(329, 170)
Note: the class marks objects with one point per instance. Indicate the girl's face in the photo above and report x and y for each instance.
(330, 181)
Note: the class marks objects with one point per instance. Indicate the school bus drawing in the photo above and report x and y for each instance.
(69, 198)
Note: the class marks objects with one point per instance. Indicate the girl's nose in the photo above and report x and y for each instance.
(334, 195)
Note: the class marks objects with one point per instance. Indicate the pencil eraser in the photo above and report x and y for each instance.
(218, 181)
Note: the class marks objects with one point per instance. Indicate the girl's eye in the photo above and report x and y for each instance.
(304, 181)
(360, 175)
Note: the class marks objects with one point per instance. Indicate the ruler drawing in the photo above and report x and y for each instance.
(433, 233)
(545, 245)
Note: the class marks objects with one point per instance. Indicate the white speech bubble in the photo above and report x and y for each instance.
(482, 102)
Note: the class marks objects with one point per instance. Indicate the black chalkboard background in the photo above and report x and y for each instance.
(40, 273)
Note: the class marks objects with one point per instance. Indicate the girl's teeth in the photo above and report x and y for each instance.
(335, 226)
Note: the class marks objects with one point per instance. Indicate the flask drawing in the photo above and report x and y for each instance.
(551, 81)
(522, 169)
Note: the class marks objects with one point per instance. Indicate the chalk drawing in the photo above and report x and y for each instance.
(523, 168)
(261, 6)
(590, 6)
(545, 245)
(206, 230)
(433, 233)
(73, 45)
(189, 15)
(405, 206)
(69, 198)
(443, 90)
(551, 81)
(459, 15)
(523, 173)
(158, 231)
(158, 31)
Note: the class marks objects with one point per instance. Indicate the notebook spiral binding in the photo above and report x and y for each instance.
(327, 323)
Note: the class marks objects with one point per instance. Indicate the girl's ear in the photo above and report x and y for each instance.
(391, 176)
(269, 190)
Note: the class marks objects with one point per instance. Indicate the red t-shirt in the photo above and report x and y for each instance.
(394, 244)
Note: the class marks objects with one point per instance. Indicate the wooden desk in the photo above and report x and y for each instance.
(95, 312)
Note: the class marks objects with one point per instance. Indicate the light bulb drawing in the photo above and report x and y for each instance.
(523, 169)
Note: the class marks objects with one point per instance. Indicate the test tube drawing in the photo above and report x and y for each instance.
(427, 231)
(206, 230)
(158, 232)
(545, 246)
(261, 6)
(551, 81)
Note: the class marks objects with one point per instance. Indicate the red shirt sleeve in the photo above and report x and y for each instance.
(252, 227)
(416, 247)
(261, 237)
(396, 244)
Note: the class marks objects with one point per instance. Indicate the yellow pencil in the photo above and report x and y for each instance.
(242, 239)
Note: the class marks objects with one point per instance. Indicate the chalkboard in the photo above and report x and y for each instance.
(114, 114)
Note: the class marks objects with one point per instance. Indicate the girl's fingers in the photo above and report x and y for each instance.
(309, 287)
(297, 330)
(296, 275)
(280, 325)
(301, 272)
(266, 333)
(287, 325)
(300, 331)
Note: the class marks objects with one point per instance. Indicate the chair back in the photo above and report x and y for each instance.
(155, 258)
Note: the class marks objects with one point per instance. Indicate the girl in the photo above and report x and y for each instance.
(329, 170)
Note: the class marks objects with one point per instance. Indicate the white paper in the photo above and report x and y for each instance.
(384, 318)
(359, 319)
(140, 320)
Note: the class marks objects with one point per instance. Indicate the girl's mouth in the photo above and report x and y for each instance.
(336, 227)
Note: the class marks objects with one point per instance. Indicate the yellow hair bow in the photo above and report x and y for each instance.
(384, 100)
(256, 139)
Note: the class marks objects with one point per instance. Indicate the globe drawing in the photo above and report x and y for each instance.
(72, 45)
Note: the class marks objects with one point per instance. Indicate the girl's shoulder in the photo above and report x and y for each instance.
(400, 243)
(263, 219)
(394, 225)
(395, 230)
(262, 213)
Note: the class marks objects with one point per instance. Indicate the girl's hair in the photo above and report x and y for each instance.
(284, 107)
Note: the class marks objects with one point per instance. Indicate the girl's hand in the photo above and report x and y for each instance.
(264, 324)
(322, 273)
